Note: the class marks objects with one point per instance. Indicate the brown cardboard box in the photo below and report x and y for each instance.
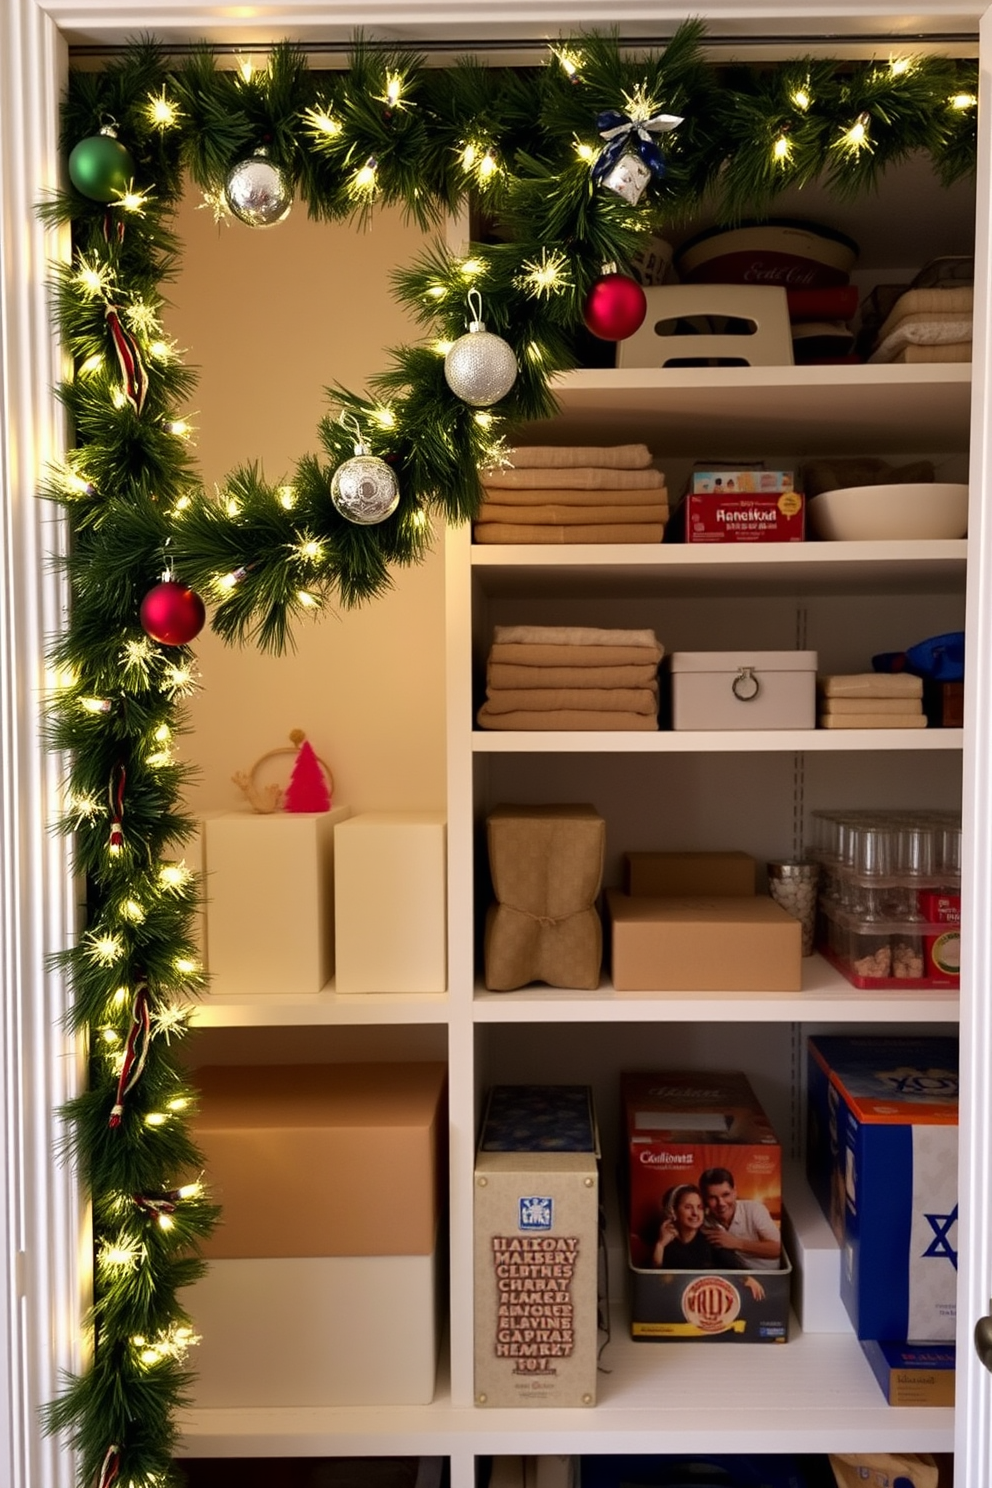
(547, 868)
(668, 873)
(703, 944)
(322, 1159)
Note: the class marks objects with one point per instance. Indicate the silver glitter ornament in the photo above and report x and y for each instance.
(257, 191)
(628, 178)
(364, 489)
(480, 368)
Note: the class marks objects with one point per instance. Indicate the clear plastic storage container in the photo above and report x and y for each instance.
(889, 910)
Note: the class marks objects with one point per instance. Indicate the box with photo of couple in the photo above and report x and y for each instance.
(703, 1186)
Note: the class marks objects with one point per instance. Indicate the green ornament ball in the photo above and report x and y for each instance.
(101, 168)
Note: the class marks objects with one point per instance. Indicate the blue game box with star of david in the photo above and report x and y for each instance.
(881, 1158)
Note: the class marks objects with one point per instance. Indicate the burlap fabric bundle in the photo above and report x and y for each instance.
(547, 869)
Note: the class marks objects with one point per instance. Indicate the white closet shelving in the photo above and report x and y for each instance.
(751, 791)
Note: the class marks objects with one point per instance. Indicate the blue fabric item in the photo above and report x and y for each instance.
(938, 659)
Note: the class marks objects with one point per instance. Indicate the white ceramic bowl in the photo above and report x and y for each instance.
(924, 510)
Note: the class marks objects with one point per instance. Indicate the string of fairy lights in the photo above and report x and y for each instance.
(569, 167)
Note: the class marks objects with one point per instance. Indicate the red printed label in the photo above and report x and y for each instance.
(711, 1304)
(717, 518)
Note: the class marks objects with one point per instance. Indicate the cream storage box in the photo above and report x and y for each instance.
(390, 902)
(536, 1224)
(742, 689)
(269, 917)
(322, 1285)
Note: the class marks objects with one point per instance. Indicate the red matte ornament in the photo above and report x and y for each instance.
(172, 614)
(616, 307)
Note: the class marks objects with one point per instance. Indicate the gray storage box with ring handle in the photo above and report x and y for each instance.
(743, 689)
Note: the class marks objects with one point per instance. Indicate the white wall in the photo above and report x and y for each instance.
(271, 318)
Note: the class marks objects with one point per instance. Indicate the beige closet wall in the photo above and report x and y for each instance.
(270, 318)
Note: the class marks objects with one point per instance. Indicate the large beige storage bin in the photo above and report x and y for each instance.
(703, 310)
(322, 1286)
(316, 1331)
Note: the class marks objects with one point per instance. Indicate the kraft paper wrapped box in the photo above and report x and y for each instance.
(546, 864)
(536, 1224)
(390, 902)
(270, 900)
(330, 1179)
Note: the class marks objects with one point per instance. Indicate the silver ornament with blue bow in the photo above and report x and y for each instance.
(631, 156)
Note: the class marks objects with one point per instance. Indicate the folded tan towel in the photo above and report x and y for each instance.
(856, 705)
(527, 496)
(914, 356)
(917, 317)
(872, 720)
(577, 477)
(575, 653)
(959, 300)
(567, 719)
(870, 685)
(501, 675)
(567, 456)
(561, 515)
(572, 699)
(572, 635)
(540, 532)
(948, 331)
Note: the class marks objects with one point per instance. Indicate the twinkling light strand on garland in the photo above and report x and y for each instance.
(526, 146)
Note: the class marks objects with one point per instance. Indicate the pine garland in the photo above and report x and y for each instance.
(521, 146)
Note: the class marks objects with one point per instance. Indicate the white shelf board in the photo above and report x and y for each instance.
(320, 1008)
(826, 996)
(815, 1393)
(724, 568)
(690, 741)
(743, 412)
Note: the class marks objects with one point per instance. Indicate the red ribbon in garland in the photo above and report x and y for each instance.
(135, 1053)
(156, 1204)
(113, 227)
(110, 1468)
(129, 358)
(115, 794)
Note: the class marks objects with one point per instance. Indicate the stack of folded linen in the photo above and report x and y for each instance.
(871, 700)
(574, 494)
(927, 325)
(571, 677)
